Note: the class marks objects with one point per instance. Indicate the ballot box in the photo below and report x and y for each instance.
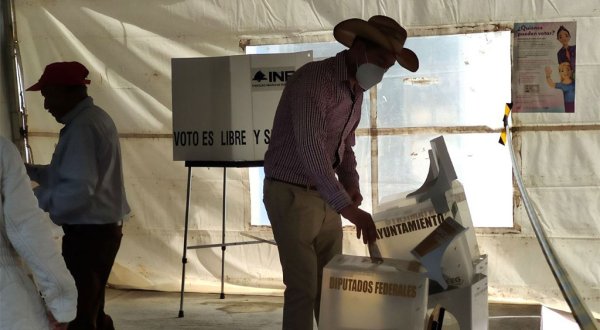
(404, 220)
(404, 223)
(467, 307)
(432, 225)
(358, 293)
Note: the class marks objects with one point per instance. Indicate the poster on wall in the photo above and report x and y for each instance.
(544, 67)
(223, 107)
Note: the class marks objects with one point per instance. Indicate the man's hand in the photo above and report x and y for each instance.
(54, 324)
(31, 171)
(363, 221)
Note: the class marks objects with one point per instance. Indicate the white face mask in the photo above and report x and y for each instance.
(369, 75)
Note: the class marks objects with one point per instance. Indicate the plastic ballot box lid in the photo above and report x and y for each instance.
(358, 293)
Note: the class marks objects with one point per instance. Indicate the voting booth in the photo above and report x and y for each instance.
(223, 110)
(223, 107)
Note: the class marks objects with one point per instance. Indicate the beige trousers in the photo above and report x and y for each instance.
(308, 233)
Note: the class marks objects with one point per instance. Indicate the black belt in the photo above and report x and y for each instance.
(72, 228)
(303, 186)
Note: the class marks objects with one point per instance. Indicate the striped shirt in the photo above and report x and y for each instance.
(313, 131)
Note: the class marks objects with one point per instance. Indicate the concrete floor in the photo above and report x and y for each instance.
(151, 310)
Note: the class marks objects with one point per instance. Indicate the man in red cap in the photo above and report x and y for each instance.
(82, 187)
(310, 167)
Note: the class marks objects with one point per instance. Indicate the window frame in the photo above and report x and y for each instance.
(362, 132)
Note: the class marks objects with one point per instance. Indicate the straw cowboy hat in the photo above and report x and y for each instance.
(381, 30)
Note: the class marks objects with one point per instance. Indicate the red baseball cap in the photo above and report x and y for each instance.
(62, 73)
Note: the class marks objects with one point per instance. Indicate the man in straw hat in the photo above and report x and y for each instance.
(310, 168)
(82, 188)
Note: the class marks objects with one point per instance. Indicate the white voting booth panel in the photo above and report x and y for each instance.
(223, 107)
(360, 294)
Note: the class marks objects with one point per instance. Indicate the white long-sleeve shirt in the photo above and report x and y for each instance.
(25, 233)
(84, 182)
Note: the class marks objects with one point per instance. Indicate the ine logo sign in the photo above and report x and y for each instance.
(270, 78)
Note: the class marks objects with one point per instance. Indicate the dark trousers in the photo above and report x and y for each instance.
(89, 252)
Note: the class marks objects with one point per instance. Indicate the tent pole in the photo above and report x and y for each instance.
(13, 76)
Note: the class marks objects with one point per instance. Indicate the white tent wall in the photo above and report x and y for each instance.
(128, 46)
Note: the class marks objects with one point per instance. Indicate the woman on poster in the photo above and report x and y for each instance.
(567, 52)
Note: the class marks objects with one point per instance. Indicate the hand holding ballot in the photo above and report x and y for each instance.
(363, 221)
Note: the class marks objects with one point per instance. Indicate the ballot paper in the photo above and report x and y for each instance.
(431, 250)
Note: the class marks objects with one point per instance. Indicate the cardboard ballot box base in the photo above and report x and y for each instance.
(468, 305)
(359, 294)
